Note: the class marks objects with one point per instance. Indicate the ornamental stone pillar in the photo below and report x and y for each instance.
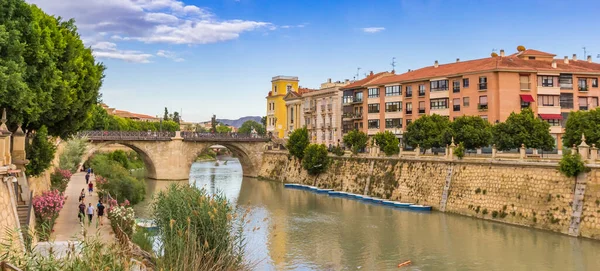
(417, 151)
(450, 150)
(494, 151)
(18, 148)
(593, 154)
(584, 149)
(522, 152)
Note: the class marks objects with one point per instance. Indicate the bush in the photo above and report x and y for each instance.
(46, 207)
(113, 178)
(459, 151)
(60, 179)
(212, 240)
(40, 153)
(122, 216)
(120, 157)
(143, 238)
(337, 150)
(571, 164)
(315, 159)
(71, 156)
(387, 142)
(298, 142)
(356, 140)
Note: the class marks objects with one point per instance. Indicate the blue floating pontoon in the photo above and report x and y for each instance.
(420, 207)
(388, 202)
(402, 204)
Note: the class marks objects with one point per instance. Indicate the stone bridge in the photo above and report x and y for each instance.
(169, 155)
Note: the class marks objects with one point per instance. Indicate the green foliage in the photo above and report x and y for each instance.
(298, 142)
(247, 126)
(337, 150)
(176, 117)
(166, 115)
(223, 129)
(40, 153)
(47, 76)
(263, 120)
(522, 128)
(213, 239)
(472, 131)
(207, 155)
(428, 132)
(119, 180)
(315, 159)
(100, 120)
(582, 122)
(571, 164)
(143, 238)
(120, 157)
(356, 140)
(72, 154)
(459, 151)
(387, 142)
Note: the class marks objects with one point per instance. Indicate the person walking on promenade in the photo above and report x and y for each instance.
(100, 208)
(81, 213)
(87, 178)
(90, 213)
(82, 195)
(91, 188)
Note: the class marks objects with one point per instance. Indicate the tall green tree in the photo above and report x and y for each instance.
(315, 159)
(472, 131)
(263, 120)
(387, 142)
(47, 76)
(166, 115)
(247, 126)
(582, 122)
(522, 128)
(428, 132)
(176, 117)
(40, 153)
(298, 142)
(356, 140)
(223, 129)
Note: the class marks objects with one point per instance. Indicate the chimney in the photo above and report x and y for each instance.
(347, 81)
(554, 64)
(458, 60)
(409, 70)
(371, 74)
(566, 60)
(589, 59)
(501, 52)
(435, 64)
(328, 80)
(574, 57)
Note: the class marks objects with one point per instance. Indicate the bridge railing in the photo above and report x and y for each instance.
(127, 135)
(196, 136)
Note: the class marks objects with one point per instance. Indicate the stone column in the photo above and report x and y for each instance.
(446, 152)
(479, 151)
(18, 151)
(5, 141)
(417, 151)
(399, 150)
(494, 151)
(522, 152)
(450, 150)
(584, 149)
(593, 154)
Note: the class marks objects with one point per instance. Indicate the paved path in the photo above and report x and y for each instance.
(67, 226)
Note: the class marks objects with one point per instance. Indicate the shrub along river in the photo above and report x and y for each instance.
(299, 230)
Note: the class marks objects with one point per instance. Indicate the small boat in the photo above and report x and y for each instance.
(419, 207)
(146, 223)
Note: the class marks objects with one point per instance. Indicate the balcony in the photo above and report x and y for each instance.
(422, 93)
(456, 108)
(455, 89)
(270, 112)
(408, 111)
(323, 108)
(421, 110)
(482, 86)
(357, 116)
(357, 101)
(525, 86)
(566, 85)
(583, 88)
(548, 89)
(482, 107)
(549, 109)
(329, 107)
(408, 94)
(440, 111)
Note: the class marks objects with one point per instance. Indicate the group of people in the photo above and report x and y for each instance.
(89, 210)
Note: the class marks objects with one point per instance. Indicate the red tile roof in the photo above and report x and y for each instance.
(532, 52)
(366, 81)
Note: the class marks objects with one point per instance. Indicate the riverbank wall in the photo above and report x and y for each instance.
(532, 194)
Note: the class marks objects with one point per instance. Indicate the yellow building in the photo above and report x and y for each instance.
(276, 110)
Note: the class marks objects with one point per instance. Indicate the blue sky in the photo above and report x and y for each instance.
(218, 56)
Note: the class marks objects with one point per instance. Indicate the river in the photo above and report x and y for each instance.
(300, 230)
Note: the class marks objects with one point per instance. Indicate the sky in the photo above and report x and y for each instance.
(218, 56)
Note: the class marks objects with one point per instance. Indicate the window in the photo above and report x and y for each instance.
(546, 81)
(291, 115)
(583, 103)
(373, 124)
(275, 89)
(582, 83)
(455, 86)
(548, 100)
(439, 103)
(566, 100)
(531, 57)
(408, 91)
(525, 104)
(408, 121)
(289, 88)
(483, 83)
(554, 122)
(524, 82)
(358, 98)
(594, 82)
(483, 103)
(421, 90)
(594, 102)
(466, 101)
(393, 91)
(393, 123)
(393, 107)
(484, 117)
(408, 108)
(565, 81)
(421, 107)
(439, 85)
(465, 82)
(373, 108)
(456, 104)
(373, 92)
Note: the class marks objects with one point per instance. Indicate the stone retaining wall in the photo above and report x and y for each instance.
(525, 193)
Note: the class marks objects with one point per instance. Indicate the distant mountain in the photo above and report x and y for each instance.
(238, 122)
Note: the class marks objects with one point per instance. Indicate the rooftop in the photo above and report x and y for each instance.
(283, 77)
(367, 80)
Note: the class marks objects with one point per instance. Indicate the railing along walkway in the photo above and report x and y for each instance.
(166, 136)
(223, 137)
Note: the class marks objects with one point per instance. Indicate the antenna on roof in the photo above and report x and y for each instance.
(357, 73)
(494, 50)
(584, 52)
(393, 63)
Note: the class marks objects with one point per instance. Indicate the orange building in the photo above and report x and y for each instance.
(490, 87)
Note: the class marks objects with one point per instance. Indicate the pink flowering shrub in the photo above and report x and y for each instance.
(46, 208)
(60, 178)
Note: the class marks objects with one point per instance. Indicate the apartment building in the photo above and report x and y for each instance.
(490, 87)
(276, 109)
(322, 113)
(294, 110)
(355, 103)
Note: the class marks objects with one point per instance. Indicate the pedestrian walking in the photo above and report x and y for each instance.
(91, 188)
(87, 178)
(90, 213)
(81, 213)
(82, 195)
(100, 208)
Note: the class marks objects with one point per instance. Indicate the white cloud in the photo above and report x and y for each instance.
(109, 50)
(373, 29)
(169, 55)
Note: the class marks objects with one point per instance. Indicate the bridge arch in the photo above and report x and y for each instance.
(148, 163)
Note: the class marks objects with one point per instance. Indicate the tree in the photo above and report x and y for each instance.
(263, 120)
(356, 140)
(98, 119)
(166, 115)
(582, 122)
(459, 151)
(47, 76)
(247, 126)
(471, 131)
(428, 132)
(40, 153)
(298, 142)
(199, 129)
(387, 142)
(213, 124)
(176, 117)
(315, 159)
(571, 164)
(223, 129)
(522, 128)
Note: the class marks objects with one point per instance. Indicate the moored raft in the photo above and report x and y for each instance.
(419, 207)
(402, 204)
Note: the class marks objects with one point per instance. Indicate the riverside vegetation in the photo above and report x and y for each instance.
(121, 174)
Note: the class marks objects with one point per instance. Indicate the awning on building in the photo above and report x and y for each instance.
(551, 116)
(527, 98)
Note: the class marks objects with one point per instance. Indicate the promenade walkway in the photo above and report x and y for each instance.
(67, 226)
